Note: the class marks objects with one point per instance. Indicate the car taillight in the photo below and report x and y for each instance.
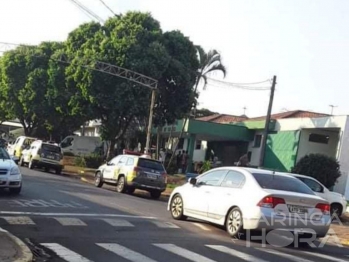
(164, 176)
(271, 202)
(325, 208)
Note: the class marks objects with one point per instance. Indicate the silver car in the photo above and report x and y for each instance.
(10, 174)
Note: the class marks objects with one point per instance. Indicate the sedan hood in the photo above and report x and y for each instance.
(7, 163)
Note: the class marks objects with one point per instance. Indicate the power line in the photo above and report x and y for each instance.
(240, 84)
(111, 10)
(87, 11)
(217, 83)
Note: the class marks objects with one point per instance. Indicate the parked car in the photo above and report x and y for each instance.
(19, 145)
(130, 172)
(251, 199)
(337, 201)
(10, 174)
(43, 155)
(83, 145)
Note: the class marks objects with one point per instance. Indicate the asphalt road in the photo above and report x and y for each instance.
(64, 219)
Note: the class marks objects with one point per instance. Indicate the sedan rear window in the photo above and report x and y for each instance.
(284, 183)
(151, 164)
(51, 148)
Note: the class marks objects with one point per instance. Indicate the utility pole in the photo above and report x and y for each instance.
(244, 108)
(332, 106)
(267, 121)
(150, 121)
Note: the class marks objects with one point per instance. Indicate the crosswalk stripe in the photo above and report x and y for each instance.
(288, 256)
(327, 257)
(235, 253)
(65, 253)
(118, 222)
(126, 253)
(164, 224)
(184, 253)
(19, 220)
(70, 221)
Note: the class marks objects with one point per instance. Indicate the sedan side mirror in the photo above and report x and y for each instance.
(192, 181)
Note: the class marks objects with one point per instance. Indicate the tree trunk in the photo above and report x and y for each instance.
(158, 141)
(111, 148)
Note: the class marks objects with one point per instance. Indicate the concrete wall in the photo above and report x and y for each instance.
(342, 185)
(255, 151)
(306, 147)
(301, 123)
(199, 154)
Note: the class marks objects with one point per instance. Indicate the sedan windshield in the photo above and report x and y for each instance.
(284, 183)
(4, 154)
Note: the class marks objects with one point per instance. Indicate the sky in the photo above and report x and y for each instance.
(305, 43)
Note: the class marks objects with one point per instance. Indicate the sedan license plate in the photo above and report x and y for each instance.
(50, 157)
(151, 176)
(297, 209)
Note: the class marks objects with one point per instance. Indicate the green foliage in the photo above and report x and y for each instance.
(93, 160)
(321, 167)
(80, 161)
(205, 167)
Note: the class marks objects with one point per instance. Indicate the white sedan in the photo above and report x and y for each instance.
(10, 175)
(251, 199)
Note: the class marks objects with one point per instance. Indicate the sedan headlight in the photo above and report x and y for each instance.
(15, 171)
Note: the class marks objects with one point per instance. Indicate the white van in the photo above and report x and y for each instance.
(82, 145)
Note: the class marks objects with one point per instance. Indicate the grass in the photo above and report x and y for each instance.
(171, 186)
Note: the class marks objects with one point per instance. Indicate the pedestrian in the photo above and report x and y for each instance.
(184, 161)
(243, 161)
(179, 159)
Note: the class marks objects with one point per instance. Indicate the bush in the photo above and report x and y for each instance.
(93, 160)
(321, 167)
(80, 161)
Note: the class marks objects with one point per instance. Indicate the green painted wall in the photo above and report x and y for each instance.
(281, 150)
(255, 124)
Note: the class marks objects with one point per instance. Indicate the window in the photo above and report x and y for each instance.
(315, 186)
(280, 182)
(67, 142)
(51, 148)
(316, 138)
(122, 161)
(4, 154)
(130, 162)
(233, 179)
(257, 141)
(114, 161)
(213, 178)
(151, 164)
(198, 144)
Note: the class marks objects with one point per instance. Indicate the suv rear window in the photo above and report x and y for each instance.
(152, 164)
(51, 148)
(284, 183)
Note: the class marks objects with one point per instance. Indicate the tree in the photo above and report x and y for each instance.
(134, 41)
(321, 167)
(209, 62)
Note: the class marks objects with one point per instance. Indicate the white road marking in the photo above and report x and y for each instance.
(126, 253)
(71, 214)
(284, 255)
(184, 253)
(117, 222)
(70, 221)
(203, 227)
(165, 224)
(235, 253)
(19, 220)
(65, 253)
(327, 257)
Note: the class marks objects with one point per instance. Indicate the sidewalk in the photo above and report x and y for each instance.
(12, 249)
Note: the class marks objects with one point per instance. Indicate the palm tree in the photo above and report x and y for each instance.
(208, 62)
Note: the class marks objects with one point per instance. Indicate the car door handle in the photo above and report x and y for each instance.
(228, 194)
(207, 192)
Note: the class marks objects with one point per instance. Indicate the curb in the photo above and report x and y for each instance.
(26, 255)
